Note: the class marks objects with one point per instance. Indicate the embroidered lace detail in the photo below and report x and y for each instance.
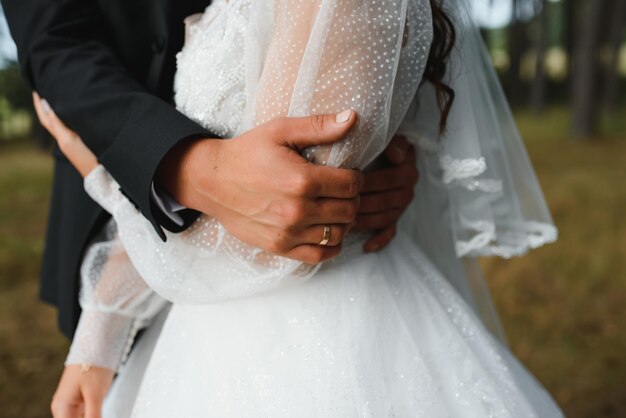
(210, 81)
(513, 242)
(454, 169)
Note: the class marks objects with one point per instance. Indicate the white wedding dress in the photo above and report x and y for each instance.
(250, 334)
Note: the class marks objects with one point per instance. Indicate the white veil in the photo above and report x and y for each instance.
(477, 181)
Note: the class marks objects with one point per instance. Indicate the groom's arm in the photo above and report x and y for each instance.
(63, 52)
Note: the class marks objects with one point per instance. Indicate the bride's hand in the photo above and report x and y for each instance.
(81, 393)
(70, 144)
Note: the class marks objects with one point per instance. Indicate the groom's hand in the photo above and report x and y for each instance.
(386, 194)
(264, 192)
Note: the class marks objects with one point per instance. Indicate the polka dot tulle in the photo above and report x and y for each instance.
(318, 57)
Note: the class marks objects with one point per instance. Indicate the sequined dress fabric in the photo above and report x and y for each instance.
(255, 335)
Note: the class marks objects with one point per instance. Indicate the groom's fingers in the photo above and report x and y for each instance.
(384, 201)
(332, 211)
(380, 240)
(397, 150)
(315, 234)
(313, 254)
(302, 133)
(395, 177)
(332, 182)
(376, 221)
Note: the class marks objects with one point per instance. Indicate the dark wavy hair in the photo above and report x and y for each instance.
(443, 42)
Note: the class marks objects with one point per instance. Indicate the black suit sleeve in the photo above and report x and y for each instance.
(66, 55)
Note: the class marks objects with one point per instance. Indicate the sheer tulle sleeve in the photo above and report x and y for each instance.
(325, 56)
(299, 58)
(116, 303)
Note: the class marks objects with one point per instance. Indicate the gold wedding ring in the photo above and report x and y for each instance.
(326, 236)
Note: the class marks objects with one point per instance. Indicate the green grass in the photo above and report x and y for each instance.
(31, 349)
(563, 305)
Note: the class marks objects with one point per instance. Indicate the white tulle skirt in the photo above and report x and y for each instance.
(376, 335)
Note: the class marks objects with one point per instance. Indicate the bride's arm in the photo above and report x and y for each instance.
(327, 55)
(116, 302)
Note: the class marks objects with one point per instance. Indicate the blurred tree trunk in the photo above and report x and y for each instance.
(586, 69)
(517, 42)
(538, 91)
(616, 36)
(570, 36)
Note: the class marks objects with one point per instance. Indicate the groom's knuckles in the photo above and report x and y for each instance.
(337, 182)
(290, 213)
(276, 128)
(337, 210)
(353, 182)
(303, 183)
(279, 242)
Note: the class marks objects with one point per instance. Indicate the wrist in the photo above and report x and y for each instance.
(185, 166)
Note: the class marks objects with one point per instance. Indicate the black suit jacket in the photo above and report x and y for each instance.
(107, 68)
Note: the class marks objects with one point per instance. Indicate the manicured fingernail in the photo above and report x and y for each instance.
(45, 106)
(373, 247)
(344, 116)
